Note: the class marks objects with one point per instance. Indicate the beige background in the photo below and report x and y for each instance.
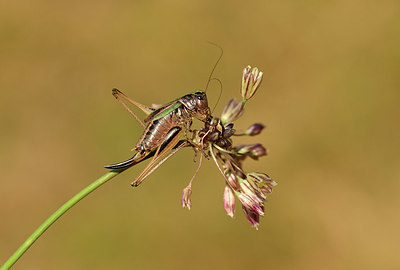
(329, 99)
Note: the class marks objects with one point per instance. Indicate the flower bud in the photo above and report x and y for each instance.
(258, 151)
(232, 110)
(247, 189)
(253, 150)
(251, 80)
(232, 181)
(185, 200)
(254, 129)
(252, 217)
(229, 201)
(250, 204)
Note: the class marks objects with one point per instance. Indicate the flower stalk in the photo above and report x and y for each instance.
(56, 215)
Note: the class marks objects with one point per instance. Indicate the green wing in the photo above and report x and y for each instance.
(163, 111)
(167, 108)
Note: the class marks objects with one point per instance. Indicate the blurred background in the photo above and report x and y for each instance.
(329, 99)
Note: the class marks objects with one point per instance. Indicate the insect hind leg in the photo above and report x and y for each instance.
(169, 142)
(147, 110)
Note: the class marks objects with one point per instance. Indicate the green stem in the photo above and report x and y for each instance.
(42, 228)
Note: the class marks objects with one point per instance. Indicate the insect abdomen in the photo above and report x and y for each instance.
(157, 129)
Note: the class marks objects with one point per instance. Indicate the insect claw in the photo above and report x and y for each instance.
(134, 184)
(137, 182)
(115, 92)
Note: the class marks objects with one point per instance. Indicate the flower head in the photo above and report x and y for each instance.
(215, 140)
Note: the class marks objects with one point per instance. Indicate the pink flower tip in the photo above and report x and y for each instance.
(251, 80)
(185, 200)
(229, 201)
(254, 129)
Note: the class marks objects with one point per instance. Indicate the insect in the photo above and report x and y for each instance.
(163, 128)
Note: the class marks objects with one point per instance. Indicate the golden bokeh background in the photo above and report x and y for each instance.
(330, 100)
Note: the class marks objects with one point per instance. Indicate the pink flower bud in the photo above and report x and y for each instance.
(252, 217)
(232, 181)
(250, 191)
(254, 129)
(253, 150)
(185, 200)
(232, 110)
(250, 204)
(258, 151)
(251, 80)
(229, 201)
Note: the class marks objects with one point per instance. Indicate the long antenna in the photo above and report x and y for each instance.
(220, 92)
(216, 63)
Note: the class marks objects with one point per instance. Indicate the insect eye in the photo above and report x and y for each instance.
(199, 97)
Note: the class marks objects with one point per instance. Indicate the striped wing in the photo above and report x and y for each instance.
(161, 112)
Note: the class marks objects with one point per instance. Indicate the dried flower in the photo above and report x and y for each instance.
(232, 111)
(229, 201)
(185, 200)
(254, 129)
(251, 79)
